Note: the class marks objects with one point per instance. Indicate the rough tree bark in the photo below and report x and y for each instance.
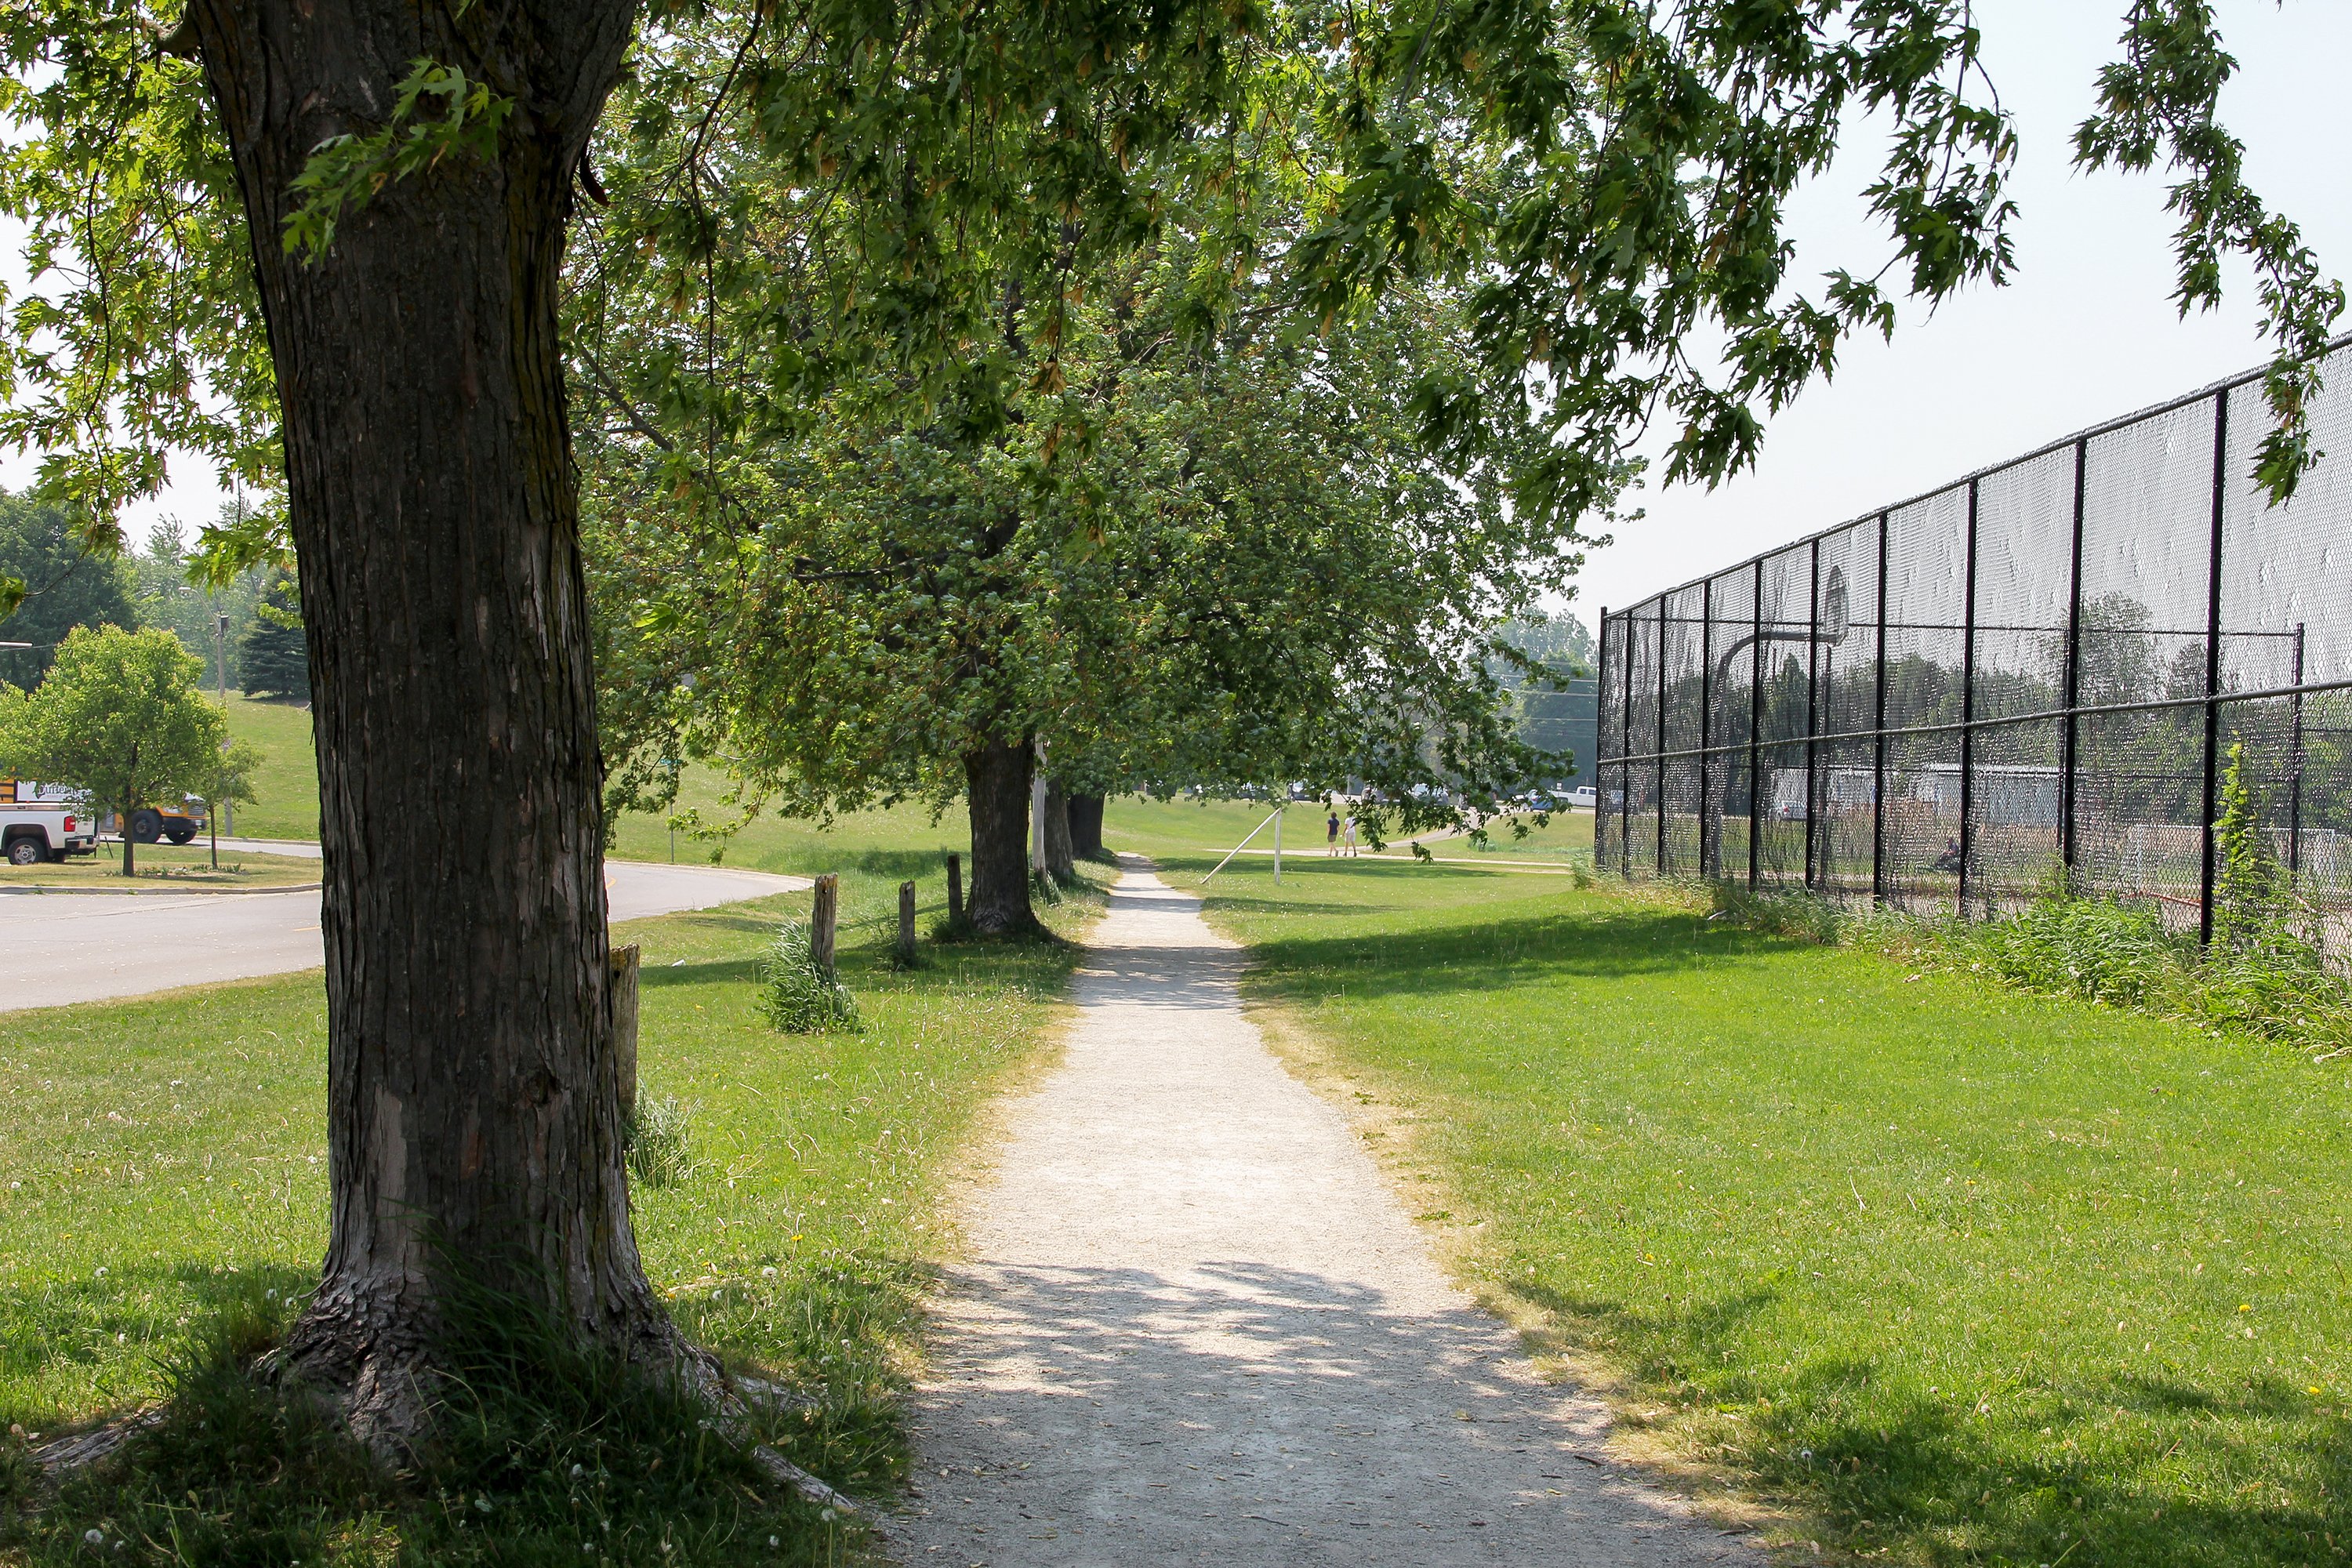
(996, 787)
(473, 1105)
(1061, 862)
(1085, 826)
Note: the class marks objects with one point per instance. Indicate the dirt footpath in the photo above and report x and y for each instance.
(1198, 1328)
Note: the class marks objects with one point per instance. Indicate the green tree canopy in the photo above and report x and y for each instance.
(121, 716)
(65, 585)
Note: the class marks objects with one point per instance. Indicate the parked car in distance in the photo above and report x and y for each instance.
(1583, 796)
(43, 822)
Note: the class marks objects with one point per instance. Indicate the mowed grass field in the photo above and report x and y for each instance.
(1151, 826)
(288, 780)
(903, 841)
(1941, 1273)
(160, 1159)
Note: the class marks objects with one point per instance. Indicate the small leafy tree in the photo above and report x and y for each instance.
(229, 777)
(123, 717)
(2249, 884)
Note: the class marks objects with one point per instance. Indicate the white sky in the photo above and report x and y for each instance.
(2086, 330)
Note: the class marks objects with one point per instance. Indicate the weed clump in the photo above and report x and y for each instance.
(797, 995)
(658, 1141)
(1806, 917)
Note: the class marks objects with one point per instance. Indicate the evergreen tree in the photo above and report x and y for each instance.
(270, 658)
(65, 586)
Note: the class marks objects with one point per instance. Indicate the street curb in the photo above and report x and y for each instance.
(166, 892)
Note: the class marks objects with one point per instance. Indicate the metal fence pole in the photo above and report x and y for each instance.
(1878, 743)
(1968, 699)
(1600, 753)
(1709, 852)
(1661, 869)
(1755, 730)
(2295, 771)
(2070, 763)
(1625, 773)
(1812, 701)
(2213, 661)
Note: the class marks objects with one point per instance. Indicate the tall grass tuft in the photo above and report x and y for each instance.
(2263, 975)
(1806, 917)
(797, 995)
(659, 1141)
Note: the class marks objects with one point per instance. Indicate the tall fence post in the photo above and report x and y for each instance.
(624, 995)
(955, 889)
(1813, 703)
(1879, 741)
(1968, 700)
(1755, 730)
(2294, 770)
(1710, 849)
(1660, 870)
(2213, 661)
(1625, 792)
(907, 925)
(2070, 769)
(824, 911)
(1600, 760)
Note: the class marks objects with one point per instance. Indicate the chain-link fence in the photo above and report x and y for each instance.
(2042, 670)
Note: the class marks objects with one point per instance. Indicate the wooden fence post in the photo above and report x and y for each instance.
(955, 889)
(822, 914)
(906, 922)
(624, 1025)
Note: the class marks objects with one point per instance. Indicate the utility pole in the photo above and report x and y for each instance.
(220, 664)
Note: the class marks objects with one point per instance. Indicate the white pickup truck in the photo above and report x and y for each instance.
(40, 822)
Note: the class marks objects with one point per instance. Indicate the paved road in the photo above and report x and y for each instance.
(85, 947)
(1196, 1328)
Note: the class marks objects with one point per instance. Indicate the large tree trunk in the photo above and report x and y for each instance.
(473, 1109)
(1085, 826)
(996, 787)
(1061, 862)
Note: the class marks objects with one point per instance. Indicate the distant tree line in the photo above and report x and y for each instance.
(66, 586)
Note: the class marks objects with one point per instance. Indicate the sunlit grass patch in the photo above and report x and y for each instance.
(161, 1171)
(1950, 1273)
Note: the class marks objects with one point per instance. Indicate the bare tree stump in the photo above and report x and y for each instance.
(624, 1025)
(955, 889)
(823, 917)
(906, 922)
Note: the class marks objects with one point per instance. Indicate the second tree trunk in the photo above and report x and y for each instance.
(996, 787)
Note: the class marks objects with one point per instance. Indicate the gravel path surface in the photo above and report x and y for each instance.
(1198, 1328)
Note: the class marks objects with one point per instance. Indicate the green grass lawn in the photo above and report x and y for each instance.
(900, 842)
(288, 780)
(160, 1159)
(897, 842)
(1177, 826)
(1948, 1273)
(165, 867)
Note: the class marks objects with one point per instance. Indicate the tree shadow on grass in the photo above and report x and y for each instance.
(1896, 1470)
(74, 1322)
(1619, 945)
(706, 971)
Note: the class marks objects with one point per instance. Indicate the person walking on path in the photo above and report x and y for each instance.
(1347, 833)
(1195, 1327)
(1331, 833)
